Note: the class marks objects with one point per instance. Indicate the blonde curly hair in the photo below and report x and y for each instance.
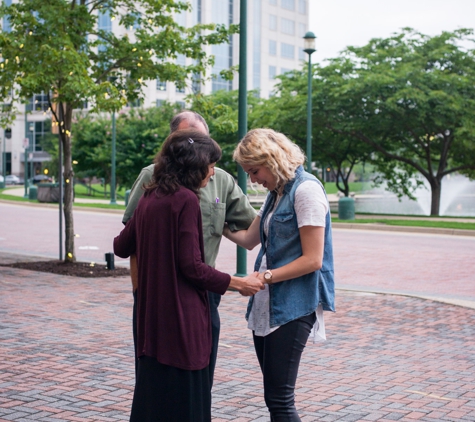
(271, 149)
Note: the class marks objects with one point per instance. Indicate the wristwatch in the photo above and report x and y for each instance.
(268, 276)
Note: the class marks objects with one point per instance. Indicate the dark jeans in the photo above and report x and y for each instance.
(214, 300)
(279, 358)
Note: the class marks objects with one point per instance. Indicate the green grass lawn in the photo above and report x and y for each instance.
(76, 204)
(411, 223)
(97, 191)
(330, 187)
(427, 222)
(13, 198)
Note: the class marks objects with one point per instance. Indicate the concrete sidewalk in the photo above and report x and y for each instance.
(66, 355)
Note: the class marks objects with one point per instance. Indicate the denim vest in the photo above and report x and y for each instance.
(300, 296)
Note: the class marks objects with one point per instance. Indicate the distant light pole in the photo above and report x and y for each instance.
(4, 161)
(309, 44)
(113, 199)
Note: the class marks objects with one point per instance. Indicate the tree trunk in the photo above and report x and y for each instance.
(65, 134)
(435, 186)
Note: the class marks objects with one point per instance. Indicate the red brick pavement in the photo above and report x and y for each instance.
(66, 355)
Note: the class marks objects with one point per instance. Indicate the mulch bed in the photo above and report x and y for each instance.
(75, 269)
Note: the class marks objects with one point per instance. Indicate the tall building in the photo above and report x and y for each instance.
(275, 46)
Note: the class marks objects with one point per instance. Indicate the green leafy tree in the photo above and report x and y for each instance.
(220, 110)
(55, 47)
(410, 98)
(286, 112)
(140, 134)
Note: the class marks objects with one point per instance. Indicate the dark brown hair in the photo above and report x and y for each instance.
(183, 161)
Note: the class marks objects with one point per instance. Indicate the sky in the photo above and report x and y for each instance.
(339, 23)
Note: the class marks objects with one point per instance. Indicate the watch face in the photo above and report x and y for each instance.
(267, 276)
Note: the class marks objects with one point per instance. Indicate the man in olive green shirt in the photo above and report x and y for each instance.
(222, 201)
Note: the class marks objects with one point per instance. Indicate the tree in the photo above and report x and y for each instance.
(411, 99)
(220, 110)
(140, 134)
(56, 47)
(286, 112)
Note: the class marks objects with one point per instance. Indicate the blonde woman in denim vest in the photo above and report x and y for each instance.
(295, 261)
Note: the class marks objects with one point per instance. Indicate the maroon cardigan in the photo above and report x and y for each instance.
(173, 317)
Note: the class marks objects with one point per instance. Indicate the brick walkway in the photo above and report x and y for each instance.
(66, 355)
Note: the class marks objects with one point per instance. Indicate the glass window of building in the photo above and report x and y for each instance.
(104, 23)
(272, 72)
(256, 44)
(287, 26)
(6, 26)
(273, 22)
(273, 48)
(161, 86)
(302, 54)
(180, 18)
(39, 102)
(284, 70)
(288, 4)
(196, 83)
(302, 29)
(181, 60)
(137, 16)
(195, 12)
(273, 2)
(222, 13)
(303, 6)
(287, 50)
(181, 104)
(40, 130)
(159, 103)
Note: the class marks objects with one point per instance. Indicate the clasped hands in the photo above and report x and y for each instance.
(250, 284)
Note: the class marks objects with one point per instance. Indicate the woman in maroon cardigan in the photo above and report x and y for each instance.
(173, 321)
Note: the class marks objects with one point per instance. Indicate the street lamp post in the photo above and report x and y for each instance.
(309, 44)
(113, 199)
(26, 142)
(241, 253)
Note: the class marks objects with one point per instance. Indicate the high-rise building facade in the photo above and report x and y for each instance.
(275, 46)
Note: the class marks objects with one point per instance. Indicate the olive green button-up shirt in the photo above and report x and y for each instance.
(222, 200)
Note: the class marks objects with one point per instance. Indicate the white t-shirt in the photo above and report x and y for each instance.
(311, 207)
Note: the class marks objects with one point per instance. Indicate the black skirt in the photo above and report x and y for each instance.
(167, 394)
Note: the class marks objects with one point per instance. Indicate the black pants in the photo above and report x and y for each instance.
(214, 300)
(279, 358)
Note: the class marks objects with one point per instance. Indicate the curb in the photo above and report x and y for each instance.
(449, 301)
(55, 206)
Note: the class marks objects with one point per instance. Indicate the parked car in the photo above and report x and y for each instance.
(1, 178)
(11, 179)
(40, 178)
